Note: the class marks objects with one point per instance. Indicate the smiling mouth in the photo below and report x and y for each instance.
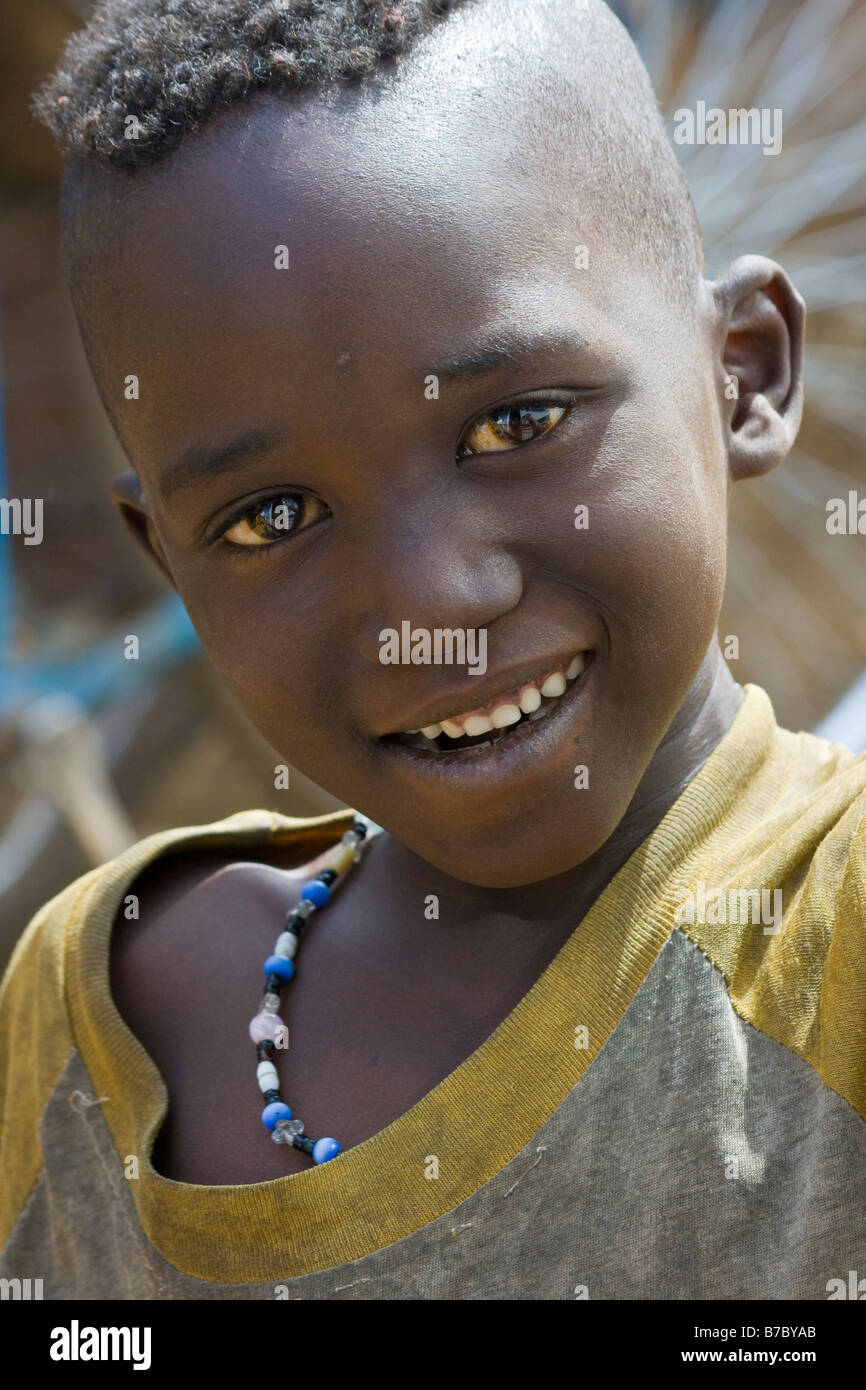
(498, 721)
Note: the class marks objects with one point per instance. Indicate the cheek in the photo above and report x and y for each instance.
(263, 642)
(653, 552)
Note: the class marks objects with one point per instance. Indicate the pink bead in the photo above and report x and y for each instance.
(265, 1026)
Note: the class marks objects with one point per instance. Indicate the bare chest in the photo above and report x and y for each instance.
(375, 1020)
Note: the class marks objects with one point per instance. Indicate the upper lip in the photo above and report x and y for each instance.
(473, 695)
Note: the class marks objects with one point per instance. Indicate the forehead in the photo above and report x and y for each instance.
(359, 189)
(486, 149)
(416, 219)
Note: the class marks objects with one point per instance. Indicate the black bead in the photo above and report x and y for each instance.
(327, 876)
(296, 923)
(270, 1096)
(360, 829)
(274, 984)
(265, 1050)
(301, 1141)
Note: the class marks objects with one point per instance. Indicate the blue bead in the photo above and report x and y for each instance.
(277, 1110)
(316, 892)
(279, 965)
(323, 1149)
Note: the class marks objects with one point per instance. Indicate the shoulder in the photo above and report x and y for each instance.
(35, 1043)
(33, 989)
(810, 809)
(172, 896)
(833, 819)
(194, 926)
(809, 987)
(150, 918)
(776, 897)
(807, 841)
(187, 949)
(185, 906)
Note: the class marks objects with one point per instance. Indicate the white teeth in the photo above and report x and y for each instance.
(451, 729)
(529, 701)
(478, 724)
(554, 685)
(503, 716)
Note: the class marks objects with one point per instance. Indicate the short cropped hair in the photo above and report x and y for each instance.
(171, 64)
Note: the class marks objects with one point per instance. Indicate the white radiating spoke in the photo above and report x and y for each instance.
(725, 39)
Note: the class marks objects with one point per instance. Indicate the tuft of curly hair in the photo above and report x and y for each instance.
(143, 73)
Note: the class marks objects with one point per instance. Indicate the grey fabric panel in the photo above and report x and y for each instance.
(623, 1191)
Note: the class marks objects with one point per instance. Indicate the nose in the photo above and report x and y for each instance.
(443, 564)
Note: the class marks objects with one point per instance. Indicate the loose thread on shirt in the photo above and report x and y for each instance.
(541, 1151)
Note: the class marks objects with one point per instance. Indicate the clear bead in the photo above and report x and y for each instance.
(305, 908)
(270, 1004)
(284, 1131)
(352, 839)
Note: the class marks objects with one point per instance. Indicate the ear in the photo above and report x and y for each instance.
(127, 495)
(760, 319)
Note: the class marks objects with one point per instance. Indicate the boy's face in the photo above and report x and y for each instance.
(409, 250)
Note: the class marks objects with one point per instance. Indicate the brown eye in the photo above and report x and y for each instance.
(509, 426)
(273, 519)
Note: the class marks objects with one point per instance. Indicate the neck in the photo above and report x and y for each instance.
(700, 723)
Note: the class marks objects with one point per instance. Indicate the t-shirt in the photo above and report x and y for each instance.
(674, 1110)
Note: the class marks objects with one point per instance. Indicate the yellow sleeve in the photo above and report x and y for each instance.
(35, 1044)
(840, 1034)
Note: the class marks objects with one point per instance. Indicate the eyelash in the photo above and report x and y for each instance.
(564, 401)
(252, 510)
(515, 403)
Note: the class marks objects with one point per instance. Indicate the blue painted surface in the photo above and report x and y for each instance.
(101, 673)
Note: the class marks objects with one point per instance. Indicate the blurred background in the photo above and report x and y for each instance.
(97, 750)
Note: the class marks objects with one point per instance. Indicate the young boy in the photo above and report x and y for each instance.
(399, 313)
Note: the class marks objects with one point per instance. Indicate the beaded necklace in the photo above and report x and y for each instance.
(267, 1029)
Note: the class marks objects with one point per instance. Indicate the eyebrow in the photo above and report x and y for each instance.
(205, 461)
(513, 349)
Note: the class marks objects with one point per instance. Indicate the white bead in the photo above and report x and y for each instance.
(287, 945)
(266, 1075)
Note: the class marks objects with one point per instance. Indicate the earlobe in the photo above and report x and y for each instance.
(128, 496)
(761, 319)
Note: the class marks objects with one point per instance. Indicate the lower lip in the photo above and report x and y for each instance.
(529, 744)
